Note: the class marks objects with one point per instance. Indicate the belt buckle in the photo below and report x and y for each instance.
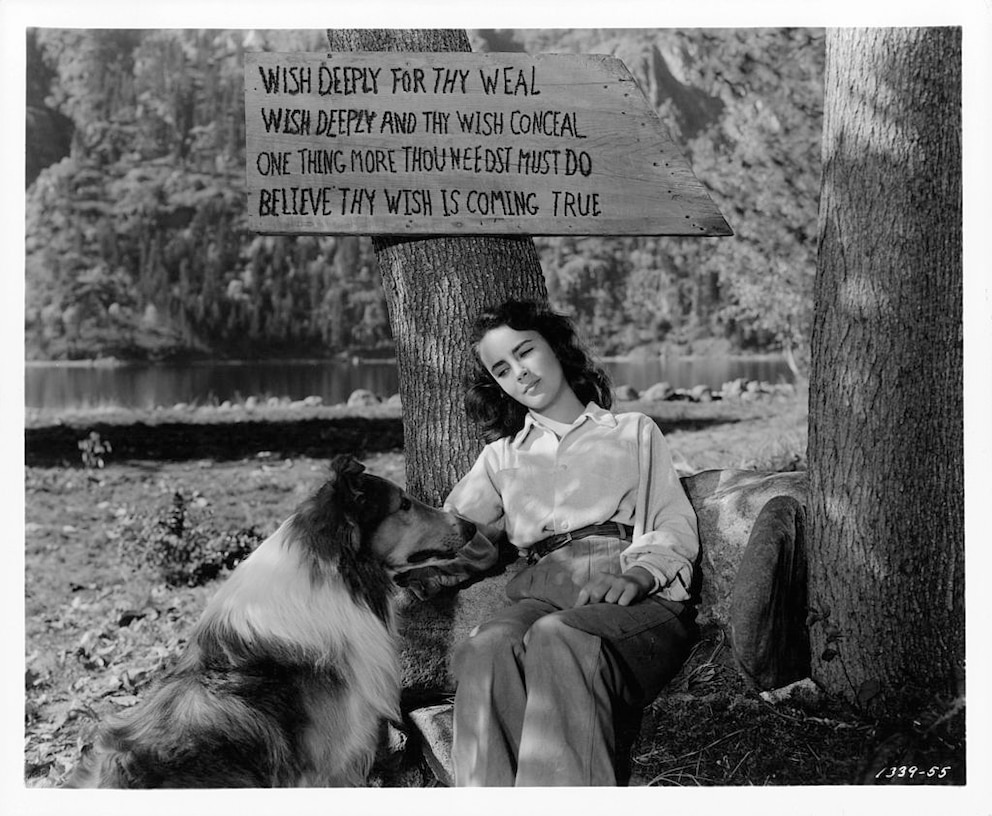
(566, 540)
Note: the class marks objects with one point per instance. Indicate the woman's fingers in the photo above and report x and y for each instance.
(606, 588)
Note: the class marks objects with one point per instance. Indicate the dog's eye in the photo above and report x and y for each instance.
(405, 503)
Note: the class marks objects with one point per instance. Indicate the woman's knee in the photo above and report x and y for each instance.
(552, 631)
(486, 645)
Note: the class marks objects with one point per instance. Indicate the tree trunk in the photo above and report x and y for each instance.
(886, 582)
(433, 289)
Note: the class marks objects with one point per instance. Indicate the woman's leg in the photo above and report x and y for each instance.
(491, 697)
(587, 668)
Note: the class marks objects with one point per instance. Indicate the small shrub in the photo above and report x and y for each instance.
(92, 450)
(180, 545)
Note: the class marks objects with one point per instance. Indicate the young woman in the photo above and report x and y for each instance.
(550, 691)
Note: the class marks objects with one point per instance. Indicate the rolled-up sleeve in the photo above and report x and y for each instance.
(476, 496)
(665, 539)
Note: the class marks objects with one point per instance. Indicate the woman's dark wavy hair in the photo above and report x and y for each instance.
(498, 414)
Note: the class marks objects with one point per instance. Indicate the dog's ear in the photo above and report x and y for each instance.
(346, 465)
(345, 473)
(327, 522)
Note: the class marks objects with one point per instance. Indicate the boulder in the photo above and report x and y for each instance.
(362, 398)
(701, 393)
(435, 725)
(430, 629)
(659, 392)
(625, 393)
(727, 504)
(733, 388)
(768, 598)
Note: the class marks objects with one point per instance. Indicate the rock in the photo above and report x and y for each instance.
(251, 403)
(435, 724)
(625, 393)
(395, 764)
(430, 629)
(394, 401)
(362, 398)
(313, 401)
(701, 393)
(392, 746)
(272, 402)
(733, 388)
(128, 616)
(768, 604)
(805, 691)
(727, 503)
(659, 392)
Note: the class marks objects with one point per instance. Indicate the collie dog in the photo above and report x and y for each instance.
(292, 668)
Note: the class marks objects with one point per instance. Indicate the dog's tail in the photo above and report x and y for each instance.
(187, 736)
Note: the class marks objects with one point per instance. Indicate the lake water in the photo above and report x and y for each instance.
(61, 387)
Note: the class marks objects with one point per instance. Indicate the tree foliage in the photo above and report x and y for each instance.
(137, 240)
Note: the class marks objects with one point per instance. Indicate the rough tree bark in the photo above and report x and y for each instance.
(886, 446)
(433, 289)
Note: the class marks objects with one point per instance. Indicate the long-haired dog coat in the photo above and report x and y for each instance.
(292, 667)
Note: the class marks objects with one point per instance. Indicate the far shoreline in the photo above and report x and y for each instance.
(633, 357)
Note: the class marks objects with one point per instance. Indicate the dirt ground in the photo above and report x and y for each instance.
(98, 631)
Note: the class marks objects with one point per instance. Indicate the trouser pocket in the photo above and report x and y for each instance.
(558, 577)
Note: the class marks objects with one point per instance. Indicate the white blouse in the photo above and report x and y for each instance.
(605, 467)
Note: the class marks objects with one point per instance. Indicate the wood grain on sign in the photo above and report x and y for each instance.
(462, 143)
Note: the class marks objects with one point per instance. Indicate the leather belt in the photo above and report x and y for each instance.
(546, 545)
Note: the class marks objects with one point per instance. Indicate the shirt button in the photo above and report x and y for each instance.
(564, 525)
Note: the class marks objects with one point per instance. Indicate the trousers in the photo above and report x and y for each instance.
(549, 694)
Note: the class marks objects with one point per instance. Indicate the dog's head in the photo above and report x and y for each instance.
(361, 523)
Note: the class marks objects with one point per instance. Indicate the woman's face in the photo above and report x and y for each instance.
(525, 367)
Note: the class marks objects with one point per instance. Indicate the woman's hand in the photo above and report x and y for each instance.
(622, 590)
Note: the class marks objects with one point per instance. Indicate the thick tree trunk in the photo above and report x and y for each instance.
(433, 289)
(886, 386)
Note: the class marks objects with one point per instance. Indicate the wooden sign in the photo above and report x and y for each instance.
(462, 143)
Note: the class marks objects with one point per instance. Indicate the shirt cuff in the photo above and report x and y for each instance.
(671, 581)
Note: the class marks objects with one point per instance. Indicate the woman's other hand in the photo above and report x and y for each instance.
(622, 590)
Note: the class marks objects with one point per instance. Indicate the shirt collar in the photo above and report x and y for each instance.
(592, 411)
